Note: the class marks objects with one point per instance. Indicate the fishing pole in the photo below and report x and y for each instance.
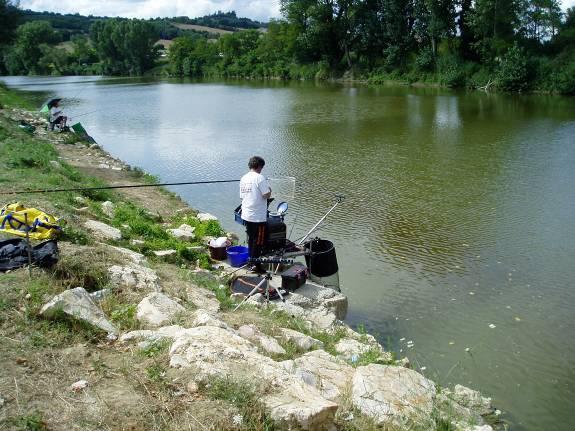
(125, 186)
(85, 113)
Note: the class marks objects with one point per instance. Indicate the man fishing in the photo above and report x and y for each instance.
(57, 117)
(254, 192)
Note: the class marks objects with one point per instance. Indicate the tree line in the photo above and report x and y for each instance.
(514, 45)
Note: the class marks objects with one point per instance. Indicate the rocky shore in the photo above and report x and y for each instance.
(124, 335)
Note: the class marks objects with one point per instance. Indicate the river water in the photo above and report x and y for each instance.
(457, 231)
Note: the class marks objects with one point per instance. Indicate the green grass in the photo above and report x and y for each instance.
(29, 422)
(86, 267)
(156, 373)
(281, 319)
(19, 317)
(208, 281)
(245, 397)
(155, 348)
(137, 223)
(123, 315)
(15, 98)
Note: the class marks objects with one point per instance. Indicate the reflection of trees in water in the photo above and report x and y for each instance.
(423, 170)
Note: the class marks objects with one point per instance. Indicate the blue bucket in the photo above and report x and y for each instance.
(238, 255)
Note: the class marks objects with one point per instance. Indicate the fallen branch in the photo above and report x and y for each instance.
(486, 86)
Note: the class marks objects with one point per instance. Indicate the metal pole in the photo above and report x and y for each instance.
(339, 199)
(29, 246)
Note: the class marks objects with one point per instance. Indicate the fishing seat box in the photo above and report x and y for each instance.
(294, 277)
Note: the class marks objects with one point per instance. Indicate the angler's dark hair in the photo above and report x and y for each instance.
(256, 162)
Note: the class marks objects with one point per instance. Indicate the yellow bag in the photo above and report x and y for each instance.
(13, 218)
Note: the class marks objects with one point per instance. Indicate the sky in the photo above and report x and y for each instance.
(261, 10)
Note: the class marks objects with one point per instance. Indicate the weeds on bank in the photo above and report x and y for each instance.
(15, 98)
(86, 267)
(137, 223)
(209, 282)
(27, 163)
(29, 422)
(22, 300)
(280, 319)
(123, 315)
(243, 395)
(155, 348)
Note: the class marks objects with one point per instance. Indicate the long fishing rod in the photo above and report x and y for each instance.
(85, 113)
(125, 186)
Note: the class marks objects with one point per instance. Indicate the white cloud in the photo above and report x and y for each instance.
(261, 10)
(255, 9)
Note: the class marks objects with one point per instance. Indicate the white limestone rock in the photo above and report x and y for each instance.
(257, 299)
(134, 276)
(467, 427)
(102, 230)
(108, 208)
(135, 257)
(203, 217)
(317, 296)
(185, 232)
(165, 253)
(99, 295)
(299, 406)
(165, 332)
(350, 350)
(204, 318)
(392, 395)
(303, 342)
(78, 304)
(215, 351)
(330, 376)
(204, 299)
(319, 316)
(472, 399)
(79, 385)
(460, 416)
(266, 343)
(157, 309)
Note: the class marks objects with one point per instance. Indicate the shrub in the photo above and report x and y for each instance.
(425, 61)
(513, 72)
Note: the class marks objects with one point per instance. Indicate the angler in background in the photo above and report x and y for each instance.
(57, 117)
(254, 192)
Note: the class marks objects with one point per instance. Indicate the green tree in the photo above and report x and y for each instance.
(9, 19)
(494, 23)
(513, 73)
(124, 46)
(29, 48)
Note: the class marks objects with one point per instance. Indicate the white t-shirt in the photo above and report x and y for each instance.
(55, 112)
(254, 205)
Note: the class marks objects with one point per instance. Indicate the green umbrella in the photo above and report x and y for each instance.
(49, 103)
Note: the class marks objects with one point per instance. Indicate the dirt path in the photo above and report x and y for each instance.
(98, 163)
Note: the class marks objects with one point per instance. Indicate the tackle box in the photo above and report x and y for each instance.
(294, 277)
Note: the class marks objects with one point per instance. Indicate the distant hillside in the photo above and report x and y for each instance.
(222, 20)
(68, 24)
(201, 28)
(214, 25)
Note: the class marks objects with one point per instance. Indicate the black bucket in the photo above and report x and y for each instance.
(323, 262)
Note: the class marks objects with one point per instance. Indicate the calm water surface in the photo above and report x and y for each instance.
(459, 212)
